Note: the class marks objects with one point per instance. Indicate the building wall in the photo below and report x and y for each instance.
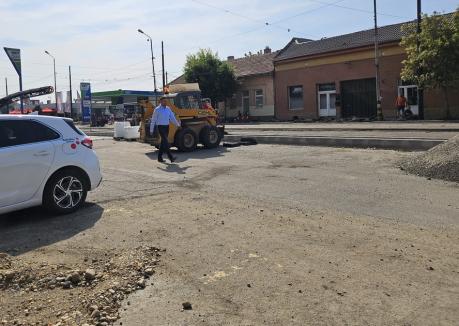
(311, 73)
(350, 66)
(251, 84)
(435, 107)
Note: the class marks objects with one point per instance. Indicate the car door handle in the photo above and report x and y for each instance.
(43, 153)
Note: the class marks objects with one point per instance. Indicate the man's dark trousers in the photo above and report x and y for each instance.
(164, 147)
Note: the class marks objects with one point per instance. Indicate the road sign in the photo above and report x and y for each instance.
(85, 89)
(15, 57)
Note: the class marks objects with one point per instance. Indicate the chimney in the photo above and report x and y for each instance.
(230, 57)
(267, 50)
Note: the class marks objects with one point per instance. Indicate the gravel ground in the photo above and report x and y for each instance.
(88, 292)
(258, 235)
(440, 162)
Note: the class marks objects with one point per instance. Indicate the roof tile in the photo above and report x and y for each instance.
(297, 48)
(256, 64)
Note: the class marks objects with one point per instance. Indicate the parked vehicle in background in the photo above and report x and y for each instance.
(45, 161)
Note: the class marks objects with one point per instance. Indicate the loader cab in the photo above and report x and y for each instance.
(186, 100)
(199, 121)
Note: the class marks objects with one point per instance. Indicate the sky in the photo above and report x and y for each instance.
(99, 39)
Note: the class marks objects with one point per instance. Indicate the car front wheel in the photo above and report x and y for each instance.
(65, 192)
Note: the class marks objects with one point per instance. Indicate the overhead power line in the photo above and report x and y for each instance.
(358, 9)
(234, 13)
(325, 5)
(89, 67)
(266, 22)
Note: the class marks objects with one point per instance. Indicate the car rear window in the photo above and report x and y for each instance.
(72, 125)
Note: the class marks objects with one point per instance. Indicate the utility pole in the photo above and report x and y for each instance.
(153, 64)
(70, 93)
(20, 88)
(162, 60)
(6, 89)
(167, 81)
(420, 90)
(378, 82)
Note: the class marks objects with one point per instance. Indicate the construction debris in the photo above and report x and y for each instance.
(440, 162)
(45, 294)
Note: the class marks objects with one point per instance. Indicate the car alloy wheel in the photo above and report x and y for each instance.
(68, 192)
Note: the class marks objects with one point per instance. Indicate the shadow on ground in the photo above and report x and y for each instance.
(34, 228)
(173, 168)
(199, 153)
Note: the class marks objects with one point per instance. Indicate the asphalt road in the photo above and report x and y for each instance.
(269, 235)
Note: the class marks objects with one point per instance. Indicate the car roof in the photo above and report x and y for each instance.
(29, 117)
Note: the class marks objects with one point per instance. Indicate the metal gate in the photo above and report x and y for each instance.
(358, 98)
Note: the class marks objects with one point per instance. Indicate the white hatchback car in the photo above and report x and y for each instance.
(45, 161)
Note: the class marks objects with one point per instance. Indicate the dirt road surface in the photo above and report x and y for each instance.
(262, 235)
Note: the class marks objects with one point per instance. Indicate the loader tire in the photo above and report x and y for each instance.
(186, 140)
(210, 136)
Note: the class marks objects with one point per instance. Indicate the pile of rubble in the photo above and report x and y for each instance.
(71, 295)
(440, 162)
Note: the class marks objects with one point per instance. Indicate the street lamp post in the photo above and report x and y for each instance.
(420, 89)
(54, 68)
(152, 58)
(379, 113)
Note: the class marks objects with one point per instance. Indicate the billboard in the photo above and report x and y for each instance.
(68, 104)
(85, 89)
(59, 104)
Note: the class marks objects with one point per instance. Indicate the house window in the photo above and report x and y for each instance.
(295, 98)
(259, 98)
(327, 87)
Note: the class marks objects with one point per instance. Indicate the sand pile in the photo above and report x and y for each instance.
(440, 162)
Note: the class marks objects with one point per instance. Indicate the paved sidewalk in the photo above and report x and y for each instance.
(443, 126)
(347, 133)
(402, 135)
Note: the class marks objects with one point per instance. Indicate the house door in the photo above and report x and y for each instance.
(411, 94)
(358, 98)
(245, 102)
(327, 103)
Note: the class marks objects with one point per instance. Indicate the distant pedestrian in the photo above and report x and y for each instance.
(162, 116)
(400, 104)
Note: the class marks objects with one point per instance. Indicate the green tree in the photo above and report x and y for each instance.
(216, 78)
(433, 57)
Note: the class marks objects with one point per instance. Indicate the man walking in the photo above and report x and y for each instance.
(161, 118)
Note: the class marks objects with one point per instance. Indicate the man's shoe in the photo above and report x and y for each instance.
(160, 160)
(172, 158)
